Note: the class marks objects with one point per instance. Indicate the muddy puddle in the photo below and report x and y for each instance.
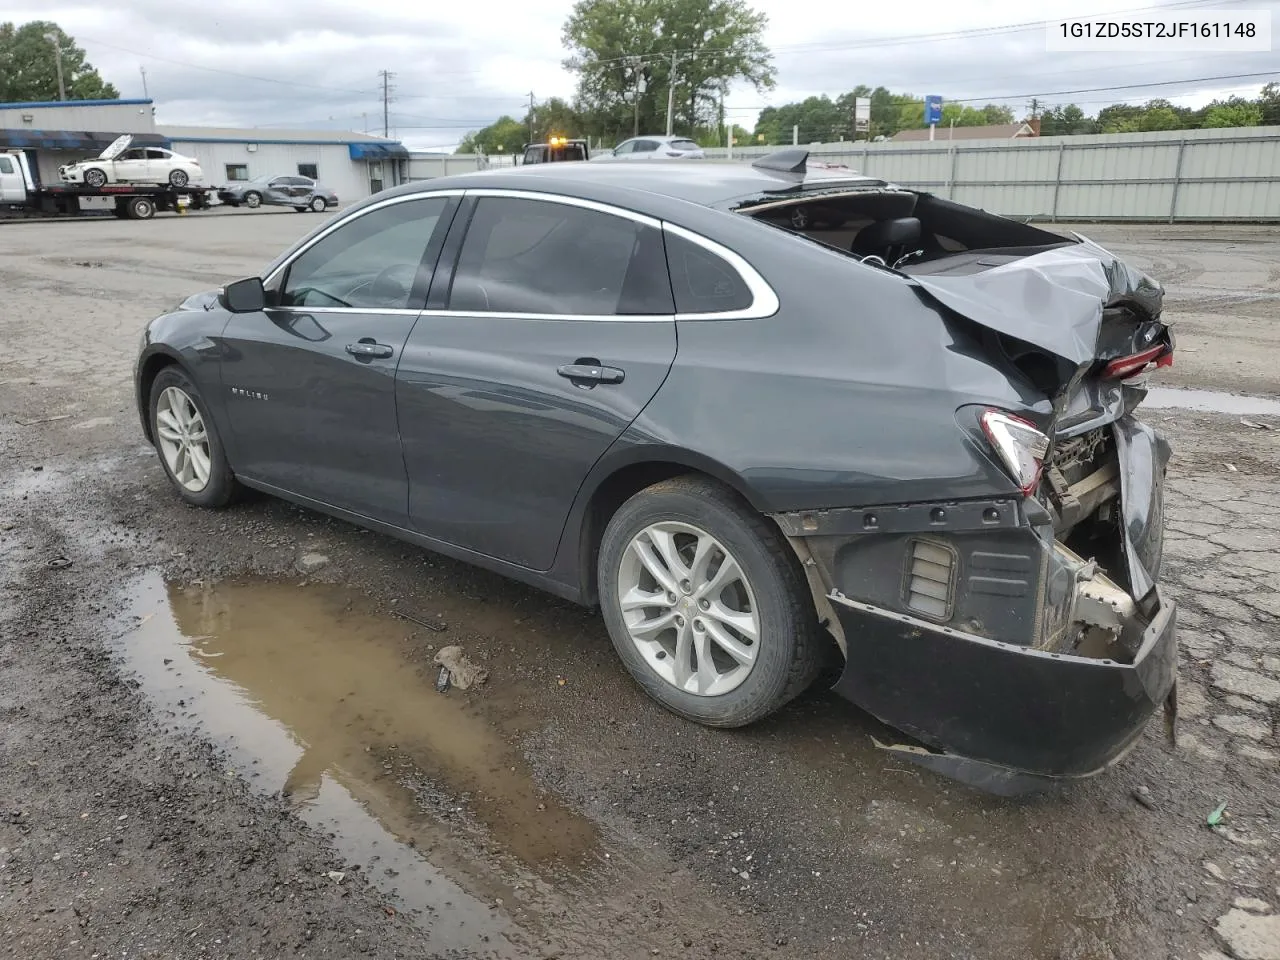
(1211, 401)
(332, 707)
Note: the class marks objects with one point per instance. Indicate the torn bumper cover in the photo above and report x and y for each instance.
(972, 628)
(998, 715)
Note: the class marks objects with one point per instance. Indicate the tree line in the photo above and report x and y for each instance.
(29, 66)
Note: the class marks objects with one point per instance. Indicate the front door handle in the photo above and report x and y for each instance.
(368, 349)
(589, 371)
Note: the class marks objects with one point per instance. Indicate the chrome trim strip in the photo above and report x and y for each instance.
(343, 221)
(381, 311)
(599, 318)
(764, 302)
(566, 201)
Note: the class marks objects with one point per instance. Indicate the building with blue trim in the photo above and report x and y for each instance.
(58, 132)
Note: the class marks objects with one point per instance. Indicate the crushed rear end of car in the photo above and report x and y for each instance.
(1019, 638)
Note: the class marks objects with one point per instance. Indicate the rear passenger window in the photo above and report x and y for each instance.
(542, 257)
(703, 282)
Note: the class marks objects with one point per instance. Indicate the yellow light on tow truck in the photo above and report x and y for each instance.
(556, 141)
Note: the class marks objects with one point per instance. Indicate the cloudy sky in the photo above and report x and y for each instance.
(458, 66)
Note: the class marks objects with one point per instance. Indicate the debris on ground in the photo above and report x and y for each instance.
(337, 876)
(1143, 796)
(1255, 424)
(59, 563)
(443, 680)
(1215, 816)
(462, 672)
(436, 626)
(310, 562)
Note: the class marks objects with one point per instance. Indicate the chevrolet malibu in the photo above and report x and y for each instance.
(911, 440)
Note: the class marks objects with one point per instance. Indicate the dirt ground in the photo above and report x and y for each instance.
(220, 734)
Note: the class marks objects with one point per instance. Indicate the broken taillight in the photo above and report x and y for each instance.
(1122, 368)
(1021, 447)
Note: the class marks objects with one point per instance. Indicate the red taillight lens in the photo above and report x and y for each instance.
(1021, 447)
(1122, 368)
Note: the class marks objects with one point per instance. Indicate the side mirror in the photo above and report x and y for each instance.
(244, 296)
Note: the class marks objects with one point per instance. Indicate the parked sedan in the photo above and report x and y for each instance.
(654, 148)
(750, 449)
(301, 193)
(123, 163)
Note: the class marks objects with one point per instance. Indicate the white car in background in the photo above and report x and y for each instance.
(123, 163)
(654, 148)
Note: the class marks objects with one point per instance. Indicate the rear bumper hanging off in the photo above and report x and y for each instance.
(1001, 716)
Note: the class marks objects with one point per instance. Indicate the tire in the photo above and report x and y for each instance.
(95, 178)
(231, 203)
(220, 486)
(140, 208)
(300, 209)
(317, 205)
(178, 178)
(788, 651)
(253, 199)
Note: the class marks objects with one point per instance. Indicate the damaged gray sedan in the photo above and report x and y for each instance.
(909, 438)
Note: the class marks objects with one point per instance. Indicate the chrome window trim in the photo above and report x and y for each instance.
(558, 317)
(585, 204)
(363, 211)
(764, 302)
(381, 311)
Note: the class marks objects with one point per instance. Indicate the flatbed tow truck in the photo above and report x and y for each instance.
(22, 195)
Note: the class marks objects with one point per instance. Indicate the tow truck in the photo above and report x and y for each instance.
(555, 150)
(22, 194)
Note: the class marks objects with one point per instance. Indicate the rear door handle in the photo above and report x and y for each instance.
(590, 372)
(368, 349)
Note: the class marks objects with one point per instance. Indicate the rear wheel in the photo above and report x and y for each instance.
(187, 441)
(178, 178)
(706, 605)
(141, 208)
(95, 178)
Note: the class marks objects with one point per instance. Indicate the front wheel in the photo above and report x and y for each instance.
(706, 605)
(253, 200)
(317, 204)
(95, 178)
(187, 441)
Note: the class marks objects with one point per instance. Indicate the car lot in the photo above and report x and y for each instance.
(553, 808)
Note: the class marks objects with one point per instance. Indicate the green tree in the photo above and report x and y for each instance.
(504, 135)
(1269, 104)
(1233, 112)
(994, 114)
(622, 50)
(555, 118)
(29, 66)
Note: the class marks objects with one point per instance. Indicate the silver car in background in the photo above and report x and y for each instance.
(654, 148)
(301, 193)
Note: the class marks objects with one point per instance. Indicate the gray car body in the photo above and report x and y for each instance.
(855, 395)
(281, 191)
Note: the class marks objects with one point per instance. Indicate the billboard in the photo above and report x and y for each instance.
(861, 114)
(932, 110)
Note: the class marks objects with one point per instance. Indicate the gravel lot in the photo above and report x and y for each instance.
(220, 734)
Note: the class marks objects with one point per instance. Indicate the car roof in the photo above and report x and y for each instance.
(709, 183)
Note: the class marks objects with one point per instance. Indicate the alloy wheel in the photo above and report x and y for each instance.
(183, 439)
(689, 608)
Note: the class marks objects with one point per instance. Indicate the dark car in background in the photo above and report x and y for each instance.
(911, 446)
(301, 193)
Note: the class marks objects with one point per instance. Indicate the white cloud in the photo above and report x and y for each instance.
(459, 66)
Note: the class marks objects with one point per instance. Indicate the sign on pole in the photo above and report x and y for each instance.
(861, 115)
(932, 110)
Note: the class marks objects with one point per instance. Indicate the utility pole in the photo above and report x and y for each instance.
(671, 92)
(56, 40)
(143, 70)
(532, 135)
(637, 78)
(386, 101)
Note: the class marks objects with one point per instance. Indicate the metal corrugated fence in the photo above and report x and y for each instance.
(1173, 176)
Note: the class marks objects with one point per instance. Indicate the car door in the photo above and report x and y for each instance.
(646, 150)
(553, 332)
(625, 148)
(277, 191)
(131, 166)
(310, 381)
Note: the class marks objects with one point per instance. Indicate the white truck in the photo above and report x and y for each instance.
(22, 194)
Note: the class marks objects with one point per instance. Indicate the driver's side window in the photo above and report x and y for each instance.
(371, 262)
